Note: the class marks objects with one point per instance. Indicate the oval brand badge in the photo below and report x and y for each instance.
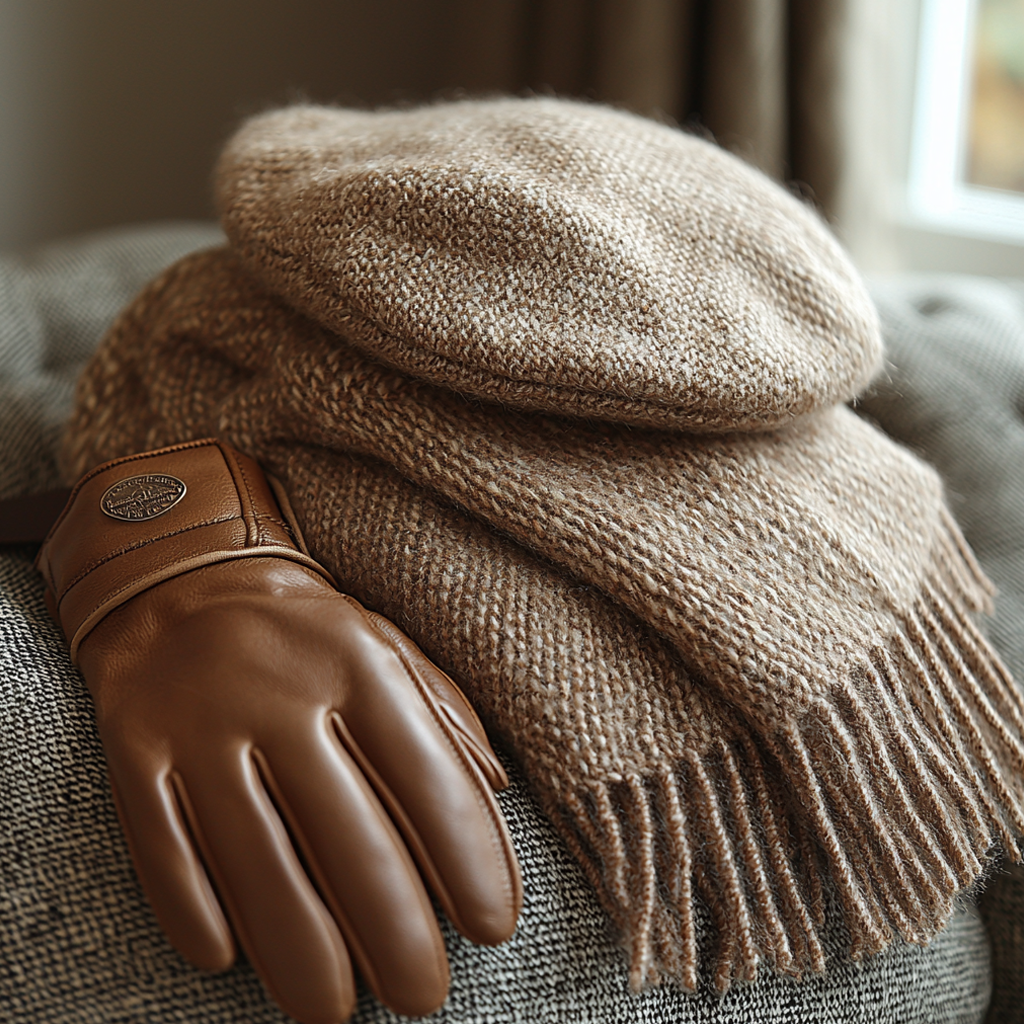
(142, 497)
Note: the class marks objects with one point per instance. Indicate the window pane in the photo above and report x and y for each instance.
(996, 143)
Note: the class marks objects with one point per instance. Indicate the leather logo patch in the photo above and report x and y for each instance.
(142, 497)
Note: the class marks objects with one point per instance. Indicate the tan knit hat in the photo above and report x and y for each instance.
(553, 256)
(739, 666)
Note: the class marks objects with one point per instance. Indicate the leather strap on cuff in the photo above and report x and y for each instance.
(135, 522)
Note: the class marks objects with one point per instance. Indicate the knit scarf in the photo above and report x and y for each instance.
(559, 390)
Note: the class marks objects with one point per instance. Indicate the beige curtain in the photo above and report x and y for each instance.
(761, 76)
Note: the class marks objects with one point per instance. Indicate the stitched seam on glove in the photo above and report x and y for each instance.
(125, 593)
(258, 541)
(148, 542)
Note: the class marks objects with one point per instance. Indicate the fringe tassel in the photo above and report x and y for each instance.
(891, 792)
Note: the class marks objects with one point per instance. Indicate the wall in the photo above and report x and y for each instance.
(113, 110)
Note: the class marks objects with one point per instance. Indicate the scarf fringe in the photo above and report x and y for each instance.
(892, 791)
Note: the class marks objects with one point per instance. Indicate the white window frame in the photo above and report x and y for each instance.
(938, 198)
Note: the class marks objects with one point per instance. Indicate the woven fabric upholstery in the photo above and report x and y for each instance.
(80, 945)
(77, 940)
(55, 304)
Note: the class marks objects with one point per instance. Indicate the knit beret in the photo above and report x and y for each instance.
(553, 256)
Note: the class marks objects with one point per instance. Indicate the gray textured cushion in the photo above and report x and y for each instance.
(80, 945)
(77, 940)
(955, 394)
(55, 305)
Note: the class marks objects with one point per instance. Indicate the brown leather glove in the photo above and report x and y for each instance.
(280, 757)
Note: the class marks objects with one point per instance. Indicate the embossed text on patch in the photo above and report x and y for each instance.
(142, 497)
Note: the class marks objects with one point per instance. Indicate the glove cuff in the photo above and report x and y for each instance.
(138, 521)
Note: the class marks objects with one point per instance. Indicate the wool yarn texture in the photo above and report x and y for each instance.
(560, 390)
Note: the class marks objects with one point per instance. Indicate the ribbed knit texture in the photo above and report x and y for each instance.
(734, 662)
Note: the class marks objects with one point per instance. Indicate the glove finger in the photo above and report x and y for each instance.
(168, 866)
(451, 700)
(279, 919)
(361, 866)
(435, 792)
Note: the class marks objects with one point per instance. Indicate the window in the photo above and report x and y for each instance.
(967, 158)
